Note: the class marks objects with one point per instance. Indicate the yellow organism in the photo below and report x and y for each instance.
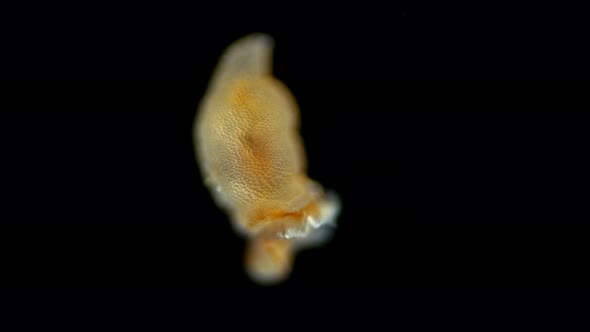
(253, 161)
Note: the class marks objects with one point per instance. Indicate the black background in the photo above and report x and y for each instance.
(444, 182)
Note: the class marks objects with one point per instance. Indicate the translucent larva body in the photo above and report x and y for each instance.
(252, 159)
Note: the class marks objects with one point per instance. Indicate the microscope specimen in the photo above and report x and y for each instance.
(252, 159)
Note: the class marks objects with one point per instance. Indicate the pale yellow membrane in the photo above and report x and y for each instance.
(252, 159)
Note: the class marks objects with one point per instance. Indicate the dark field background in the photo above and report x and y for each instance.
(451, 172)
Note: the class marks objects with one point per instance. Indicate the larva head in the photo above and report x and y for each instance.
(271, 253)
(269, 261)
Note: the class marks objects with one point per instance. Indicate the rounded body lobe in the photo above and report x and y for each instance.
(251, 145)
